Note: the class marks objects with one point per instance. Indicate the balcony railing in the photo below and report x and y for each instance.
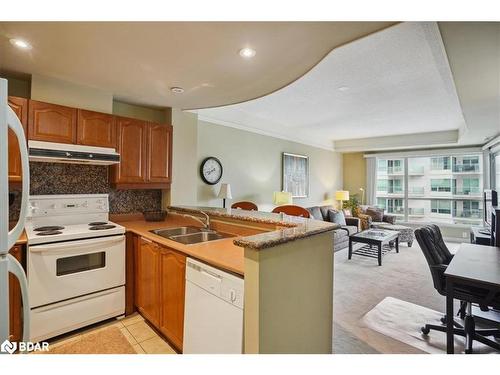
(459, 168)
(396, 210)
(394, 170)
(467, 191)
(395, 191)
(416, 170)
(420, 211)
(416, 190)
(468, 213)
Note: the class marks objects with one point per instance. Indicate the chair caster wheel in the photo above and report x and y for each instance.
(443, 320)
(425, 330)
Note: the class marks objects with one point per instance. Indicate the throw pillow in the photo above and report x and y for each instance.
(336, 217)
(347, 212)
(377, 214)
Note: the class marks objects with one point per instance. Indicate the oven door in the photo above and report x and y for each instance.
(64, 270)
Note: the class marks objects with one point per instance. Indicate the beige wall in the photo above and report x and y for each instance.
(185, 158)
(51, 90)
(252, 165)
(160, 115)
(18, 86)
(354, 172)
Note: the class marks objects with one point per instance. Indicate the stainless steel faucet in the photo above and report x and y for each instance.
(206, 223)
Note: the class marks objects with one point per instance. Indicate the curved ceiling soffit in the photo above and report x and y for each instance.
(298, 77)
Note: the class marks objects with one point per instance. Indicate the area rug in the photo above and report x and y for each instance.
(402, 321)
(106, 341)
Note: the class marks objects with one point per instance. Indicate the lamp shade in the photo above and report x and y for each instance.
(342, 195)
(225, 192)
(282, 197)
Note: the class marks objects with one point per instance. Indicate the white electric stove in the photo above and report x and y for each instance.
(76, 263)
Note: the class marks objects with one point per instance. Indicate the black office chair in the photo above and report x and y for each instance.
(438, 257)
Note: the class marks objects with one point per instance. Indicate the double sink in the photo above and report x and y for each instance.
(190, 235)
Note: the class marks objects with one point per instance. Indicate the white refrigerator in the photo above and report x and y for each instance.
(8, 264)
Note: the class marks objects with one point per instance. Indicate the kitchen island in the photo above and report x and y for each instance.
(287, 264)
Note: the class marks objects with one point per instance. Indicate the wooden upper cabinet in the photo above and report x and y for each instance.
(51, 122)
(172, 291)
(96, 129)
(20, 107)
(147, 290)
(131, 144)
(160, 153)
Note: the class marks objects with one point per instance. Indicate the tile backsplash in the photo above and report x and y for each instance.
(58, 178)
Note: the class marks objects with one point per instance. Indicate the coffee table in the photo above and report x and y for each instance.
(374, 237)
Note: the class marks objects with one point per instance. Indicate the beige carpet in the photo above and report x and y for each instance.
(104, 341)
(402, 321)
(360, 284)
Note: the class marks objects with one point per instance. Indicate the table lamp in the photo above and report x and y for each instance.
(224, 193)
(342, 195)
(282, 197)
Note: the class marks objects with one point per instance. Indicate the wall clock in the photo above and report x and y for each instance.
(211, 170)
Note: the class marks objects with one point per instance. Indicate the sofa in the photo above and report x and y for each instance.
(342, 233)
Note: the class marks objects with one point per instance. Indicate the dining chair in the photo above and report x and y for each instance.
(245, 205)
(292, 210)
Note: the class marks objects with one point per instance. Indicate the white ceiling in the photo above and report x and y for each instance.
(139, 61)
(398, 83)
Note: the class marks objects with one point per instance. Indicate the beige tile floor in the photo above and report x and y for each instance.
(141, 336)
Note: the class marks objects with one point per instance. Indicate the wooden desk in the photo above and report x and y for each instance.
(472, 265)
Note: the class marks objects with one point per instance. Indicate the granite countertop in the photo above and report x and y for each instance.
(292, 227)
(223, 254)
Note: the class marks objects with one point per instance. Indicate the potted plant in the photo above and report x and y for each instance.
(352, 205)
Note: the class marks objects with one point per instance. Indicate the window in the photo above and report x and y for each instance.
(382, 185)
(441, 207)
(382, 165)
(441, 185)
(440, 163)
(470, 186)
(394, 166)
(395, 206)
(395, 186)
(442, 189)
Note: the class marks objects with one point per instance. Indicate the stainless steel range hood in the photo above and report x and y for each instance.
(68, 153)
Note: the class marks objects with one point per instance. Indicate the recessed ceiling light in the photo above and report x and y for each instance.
(177, 90)
(20, 43)
(247, 53)
(343, 88)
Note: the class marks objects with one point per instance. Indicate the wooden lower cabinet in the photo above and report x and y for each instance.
(160, 288)
(15, 300)
(172, 290)
(147, 280)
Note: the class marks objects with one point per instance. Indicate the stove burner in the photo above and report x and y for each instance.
(102, 227)
(48, 228)
(48, 233)
(98, 223)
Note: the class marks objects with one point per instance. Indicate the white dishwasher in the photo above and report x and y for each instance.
(213, 315)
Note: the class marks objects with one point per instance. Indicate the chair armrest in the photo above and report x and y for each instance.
(353, 221)
(440, 267)
(391, 219)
